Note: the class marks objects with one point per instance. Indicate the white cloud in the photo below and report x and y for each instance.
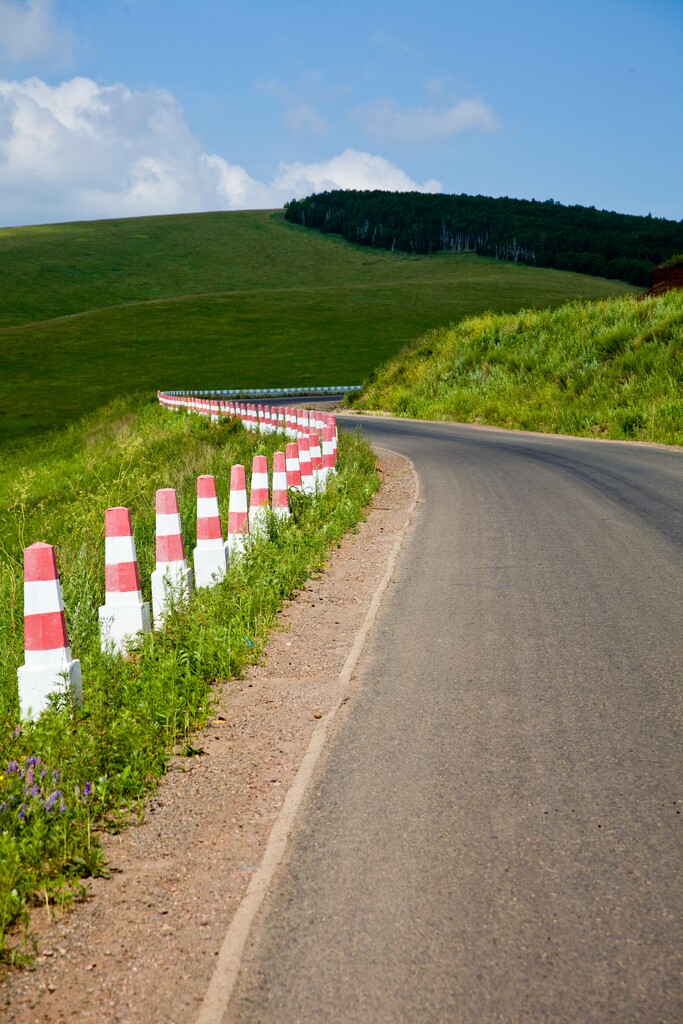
(28, 31)
(351, 169)
(386, 121)
(83, 150)
(79, 150)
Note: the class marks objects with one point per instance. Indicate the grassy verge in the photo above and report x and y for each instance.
(76, 771)
(598, 369)
(223, 300)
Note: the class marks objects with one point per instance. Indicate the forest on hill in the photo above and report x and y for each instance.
(543, 234)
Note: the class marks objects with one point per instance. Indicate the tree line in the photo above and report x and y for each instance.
(544, 234)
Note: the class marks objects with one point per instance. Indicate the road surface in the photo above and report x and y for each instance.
(495, 835)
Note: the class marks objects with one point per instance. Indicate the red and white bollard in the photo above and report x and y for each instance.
(238, 513)
(124, 615)
(316, 462)
(48, 664)
(259, 497)
(329, 467)
(307, 478)
(293, 467)
(335, 435)
(172, 580)
(211, 553)
(280, 496)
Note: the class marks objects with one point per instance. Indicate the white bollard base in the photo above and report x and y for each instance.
(170, 585)
(36, 683)
(121, 623)
(210, 565)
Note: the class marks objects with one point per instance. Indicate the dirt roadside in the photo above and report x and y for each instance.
(142, 948)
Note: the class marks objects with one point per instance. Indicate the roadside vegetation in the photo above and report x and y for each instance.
(610, 369)
(89, 311)
(75, 772)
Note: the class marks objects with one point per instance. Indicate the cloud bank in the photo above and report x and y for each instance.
(79, 150)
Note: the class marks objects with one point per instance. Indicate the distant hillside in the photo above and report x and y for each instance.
(543, 234)
(92, 310)
(597, 369)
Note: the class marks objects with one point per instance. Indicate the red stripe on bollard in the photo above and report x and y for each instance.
(45, 632)
(122, 578)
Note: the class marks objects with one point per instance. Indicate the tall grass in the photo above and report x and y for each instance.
(76, 771)
(609, 369)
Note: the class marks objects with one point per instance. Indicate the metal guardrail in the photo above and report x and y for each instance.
(270, 392)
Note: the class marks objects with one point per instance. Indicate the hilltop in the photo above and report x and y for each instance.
(96, 309)
(542, 234)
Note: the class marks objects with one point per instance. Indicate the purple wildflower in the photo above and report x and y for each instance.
(3, 808)
(17, 732)
(52, 800)
(31, 762)
(29, 777)
(43, 772)
(87, 789)
(62, 808)
(22, 812)
(13, 766)
(35, 790)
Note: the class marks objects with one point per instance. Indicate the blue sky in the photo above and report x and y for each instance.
(122, 107)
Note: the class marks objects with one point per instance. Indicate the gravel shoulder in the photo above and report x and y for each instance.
(143, 945)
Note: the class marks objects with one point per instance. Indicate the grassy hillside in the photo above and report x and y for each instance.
(608, 369)
(92, 310)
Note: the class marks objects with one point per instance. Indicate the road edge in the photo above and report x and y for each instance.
(228, 964)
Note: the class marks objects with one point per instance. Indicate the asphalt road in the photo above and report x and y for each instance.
(495, 835)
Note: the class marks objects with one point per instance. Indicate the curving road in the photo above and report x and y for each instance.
(495, 835)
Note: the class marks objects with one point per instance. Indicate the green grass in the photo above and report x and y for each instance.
(97, 309)
(109, 754)
(600, 369)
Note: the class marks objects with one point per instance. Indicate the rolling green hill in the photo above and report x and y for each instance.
(222, 300)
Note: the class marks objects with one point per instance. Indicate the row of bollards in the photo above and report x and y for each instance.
(48, 663)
